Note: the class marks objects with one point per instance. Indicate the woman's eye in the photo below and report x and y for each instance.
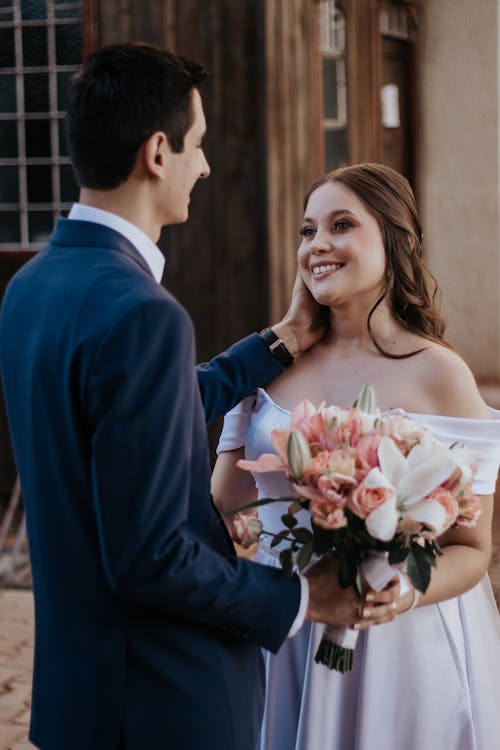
(306, 231)
(341, 225)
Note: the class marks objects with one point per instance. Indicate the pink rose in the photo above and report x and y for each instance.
(317, 466)
(365, 499)
(327, 514)
(316, 433)
(342, 465)
(320, 493)
(448, 502)
(246, 529)
(351, 428)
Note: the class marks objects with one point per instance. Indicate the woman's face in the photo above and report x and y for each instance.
(341, 256)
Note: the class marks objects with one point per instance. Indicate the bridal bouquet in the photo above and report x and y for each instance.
(379, 490)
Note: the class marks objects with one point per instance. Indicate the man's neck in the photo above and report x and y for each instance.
(127, 203)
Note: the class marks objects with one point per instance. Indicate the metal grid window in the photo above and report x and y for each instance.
(333, 52)
(40, 46)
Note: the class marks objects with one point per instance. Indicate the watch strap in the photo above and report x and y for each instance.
(276, 346)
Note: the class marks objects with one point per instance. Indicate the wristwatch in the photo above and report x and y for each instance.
(276, 347)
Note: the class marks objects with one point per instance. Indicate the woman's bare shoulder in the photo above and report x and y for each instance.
(449, 384)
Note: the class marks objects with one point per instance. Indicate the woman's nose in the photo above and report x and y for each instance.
(321, 243)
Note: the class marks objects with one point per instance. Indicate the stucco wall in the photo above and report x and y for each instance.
(458, 133)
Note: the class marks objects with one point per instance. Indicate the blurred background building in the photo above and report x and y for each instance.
(297, 87)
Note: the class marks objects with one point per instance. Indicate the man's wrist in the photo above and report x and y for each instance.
(277, 345)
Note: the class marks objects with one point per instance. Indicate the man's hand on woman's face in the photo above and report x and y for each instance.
(306, 321)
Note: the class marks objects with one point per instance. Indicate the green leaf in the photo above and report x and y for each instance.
(289, 520)
(305, 554)
(286, 561)
(419, 569)
(398, 555)
(323, 540)
(437, 548)
(302, 535)
(277, 538)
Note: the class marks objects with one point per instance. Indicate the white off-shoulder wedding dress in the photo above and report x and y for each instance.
(429, 679)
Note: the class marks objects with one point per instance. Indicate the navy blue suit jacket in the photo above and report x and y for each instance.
(148, 627)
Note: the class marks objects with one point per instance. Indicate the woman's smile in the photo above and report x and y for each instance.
(323, 269)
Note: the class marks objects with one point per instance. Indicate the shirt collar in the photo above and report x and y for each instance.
(149, 251)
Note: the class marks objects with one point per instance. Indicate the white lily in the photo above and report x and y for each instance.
(411, 479)
(461, 456)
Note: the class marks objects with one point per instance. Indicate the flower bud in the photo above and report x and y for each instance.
(367, 401)
(298, 454)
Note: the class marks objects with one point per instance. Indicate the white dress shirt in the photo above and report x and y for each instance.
(146, 247)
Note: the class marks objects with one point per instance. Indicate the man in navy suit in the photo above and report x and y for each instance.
(148, 626)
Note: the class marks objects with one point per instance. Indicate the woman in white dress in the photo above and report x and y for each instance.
(431, 678)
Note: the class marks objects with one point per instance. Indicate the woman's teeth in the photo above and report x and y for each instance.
(317, 270)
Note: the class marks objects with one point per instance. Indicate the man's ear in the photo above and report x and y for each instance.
(156, 152)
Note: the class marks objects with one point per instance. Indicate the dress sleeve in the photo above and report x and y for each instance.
(236, 422)
(481, 435)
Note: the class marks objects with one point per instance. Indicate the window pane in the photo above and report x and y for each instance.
(335, 148)
(8, 139)
(68, 44)
(73, 13)
(37, 138)
(10, 229)
(330, 83)
(7, 55)
(35, 45)
(9, 185)
(8, 93)
(62, 85)
(40, 225)
(39, 184)
(33, 10)
(36, 92)
(63, 149)
(69, 188)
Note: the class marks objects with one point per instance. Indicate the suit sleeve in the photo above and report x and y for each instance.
(149, 477)
(234, 374)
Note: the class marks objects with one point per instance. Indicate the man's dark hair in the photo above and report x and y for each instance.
(118, 98)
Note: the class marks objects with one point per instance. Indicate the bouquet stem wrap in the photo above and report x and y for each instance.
(336, 649)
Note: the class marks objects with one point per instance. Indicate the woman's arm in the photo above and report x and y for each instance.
(464, 562)
(466, 550)
(232, 487)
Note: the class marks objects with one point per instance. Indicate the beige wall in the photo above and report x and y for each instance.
(459, 172)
